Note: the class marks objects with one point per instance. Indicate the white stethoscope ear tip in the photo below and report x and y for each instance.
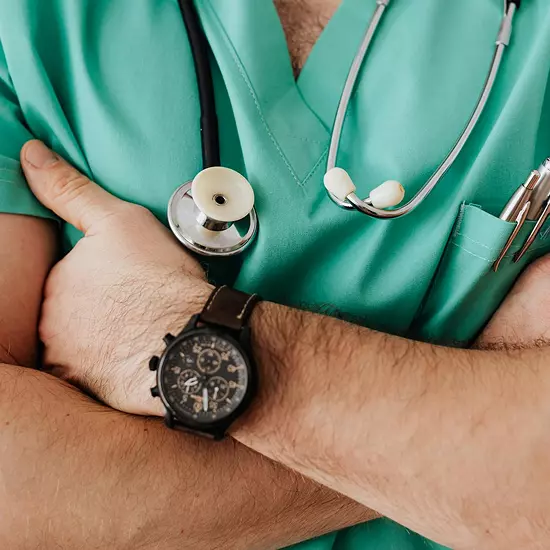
(391, 193)
(339, 183)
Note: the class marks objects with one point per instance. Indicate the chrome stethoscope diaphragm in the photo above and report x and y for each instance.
(214, 214)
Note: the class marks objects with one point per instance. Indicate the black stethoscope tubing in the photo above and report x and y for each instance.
(200, 50)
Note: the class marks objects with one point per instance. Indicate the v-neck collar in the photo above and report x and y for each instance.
(270, 54)
(323, 68)
(250, 45)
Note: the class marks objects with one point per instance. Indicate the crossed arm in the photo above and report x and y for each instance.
(418, 432)
(454, 444)
(75, 474)
(27, 248)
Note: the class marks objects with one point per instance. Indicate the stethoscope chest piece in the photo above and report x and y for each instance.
(203, 213)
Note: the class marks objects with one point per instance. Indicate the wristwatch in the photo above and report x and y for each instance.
(206, 377)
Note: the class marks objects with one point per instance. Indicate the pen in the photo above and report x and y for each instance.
(516, 210)
(518, 200)
(541, 193)
(539, 209)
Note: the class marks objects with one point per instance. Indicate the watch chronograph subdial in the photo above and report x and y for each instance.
(218, 388)
(190, 382)
(209, 361)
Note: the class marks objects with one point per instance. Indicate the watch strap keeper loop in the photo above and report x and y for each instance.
(228, 308)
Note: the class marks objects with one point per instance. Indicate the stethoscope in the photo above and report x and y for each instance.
(214, 214)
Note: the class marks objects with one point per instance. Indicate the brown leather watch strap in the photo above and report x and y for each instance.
(228, 308)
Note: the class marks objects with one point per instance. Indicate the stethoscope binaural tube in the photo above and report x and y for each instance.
(338, 183)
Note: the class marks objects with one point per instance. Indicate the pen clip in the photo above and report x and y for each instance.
(520, 220)
(534, 234)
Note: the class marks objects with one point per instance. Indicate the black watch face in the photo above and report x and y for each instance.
(204, 378)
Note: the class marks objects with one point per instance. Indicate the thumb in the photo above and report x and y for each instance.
(63, 189)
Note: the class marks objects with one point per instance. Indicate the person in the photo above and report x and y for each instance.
(109, 301)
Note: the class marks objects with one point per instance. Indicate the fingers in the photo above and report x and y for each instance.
(63, 189)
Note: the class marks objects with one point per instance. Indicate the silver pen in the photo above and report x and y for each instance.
(517, 210)
(522, 195)
(539, 209)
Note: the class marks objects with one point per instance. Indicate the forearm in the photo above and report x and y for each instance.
(27, 249)
(110, 480)
(451, 443)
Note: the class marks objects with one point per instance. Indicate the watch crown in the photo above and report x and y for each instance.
(168, 339)
(155, 391)
(154, 363)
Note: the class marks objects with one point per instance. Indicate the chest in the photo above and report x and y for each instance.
(303, 22)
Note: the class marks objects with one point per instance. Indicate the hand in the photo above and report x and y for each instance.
(109, 302)
(523, 320)
(127, 283)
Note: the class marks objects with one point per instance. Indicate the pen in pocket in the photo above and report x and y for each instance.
(539, 209)
(531, 201)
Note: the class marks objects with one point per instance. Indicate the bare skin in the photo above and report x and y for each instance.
(303, 22)
(523, 320)
(75, 474)
(27, 249)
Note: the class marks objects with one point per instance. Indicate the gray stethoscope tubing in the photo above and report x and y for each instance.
(353, 202)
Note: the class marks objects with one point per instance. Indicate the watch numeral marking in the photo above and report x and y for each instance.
(233, 368)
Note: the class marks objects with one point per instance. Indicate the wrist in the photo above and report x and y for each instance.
(182, 298)
(206, 376)
(278, 346)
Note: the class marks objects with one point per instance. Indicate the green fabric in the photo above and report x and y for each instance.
(465, 288)
(110, 85)
(15, 197)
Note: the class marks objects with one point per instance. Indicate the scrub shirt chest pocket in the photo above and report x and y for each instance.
(466, 291)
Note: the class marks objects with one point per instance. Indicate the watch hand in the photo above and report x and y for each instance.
(191, 382)
(205, 400)
(216, 392)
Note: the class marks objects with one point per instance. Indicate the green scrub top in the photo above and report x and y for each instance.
(110, 85)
